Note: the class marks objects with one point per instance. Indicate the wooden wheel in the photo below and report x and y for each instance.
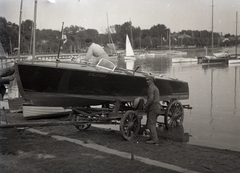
(174, 114)
(81, 127)
(130, 122)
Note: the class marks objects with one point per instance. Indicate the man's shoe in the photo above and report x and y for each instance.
(152, 142)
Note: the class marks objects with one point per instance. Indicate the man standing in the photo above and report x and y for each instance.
(95, 52)
(153, 109)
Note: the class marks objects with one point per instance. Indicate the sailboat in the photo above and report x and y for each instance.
(235, 59)
(214, 59)
(129, 50)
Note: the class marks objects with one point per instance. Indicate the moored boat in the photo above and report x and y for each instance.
(184, 60)
(212, 60)
(234, 59)
(176, 53)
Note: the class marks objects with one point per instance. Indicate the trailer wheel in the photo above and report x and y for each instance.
(130, 122)
(81, 127)
(174, 114)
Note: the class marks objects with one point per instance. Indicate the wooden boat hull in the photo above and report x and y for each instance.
(70, 84)
(213, 60)
(31, 112)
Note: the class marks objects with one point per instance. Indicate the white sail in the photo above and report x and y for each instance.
(129, 50)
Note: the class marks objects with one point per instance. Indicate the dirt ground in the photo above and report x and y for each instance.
(24, 151)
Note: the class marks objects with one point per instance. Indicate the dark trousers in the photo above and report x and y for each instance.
(151, 124)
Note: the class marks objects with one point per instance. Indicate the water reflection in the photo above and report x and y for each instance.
(214, 96)
(235, 92)
(211, 107)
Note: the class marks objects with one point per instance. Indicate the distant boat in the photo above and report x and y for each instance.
(161, 53)
(174, 52)
(234, 60)
(221, 54)
(129, 50)
(206, 60)
(150, 55)
(184, 60)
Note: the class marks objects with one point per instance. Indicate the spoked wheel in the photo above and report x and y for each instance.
(81, 127)
(174, 114)
(130, 122)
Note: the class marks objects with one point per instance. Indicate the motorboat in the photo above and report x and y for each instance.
(68, 84)
(176, 53)
(234, 59)
(205, 60)
(184, 60)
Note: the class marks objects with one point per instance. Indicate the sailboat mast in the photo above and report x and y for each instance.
(169, 39)
(131, 32)
(236, 35)
(19, 30)
(212, 25)
(60, 42)
(34, 29)
(109, 36)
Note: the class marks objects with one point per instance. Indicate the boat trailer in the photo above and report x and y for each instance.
(121, 113)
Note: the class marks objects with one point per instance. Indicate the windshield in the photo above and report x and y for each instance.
(106, 64)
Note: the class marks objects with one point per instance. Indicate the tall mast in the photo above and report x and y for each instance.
(109, 36)
(212, 24)
(169, 40)
(110, 40)
(19, 30)
(60, 41)
(236, 35)
(131, 32)
(34, 29)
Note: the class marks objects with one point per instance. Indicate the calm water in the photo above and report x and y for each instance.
(214, 96)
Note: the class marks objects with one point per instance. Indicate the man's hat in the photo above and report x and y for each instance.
(150, 77)
(88, 40)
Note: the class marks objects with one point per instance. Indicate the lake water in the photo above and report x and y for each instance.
(214, 95)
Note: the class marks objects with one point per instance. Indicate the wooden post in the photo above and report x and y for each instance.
(132, 156)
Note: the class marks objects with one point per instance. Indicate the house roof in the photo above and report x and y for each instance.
(184, 36)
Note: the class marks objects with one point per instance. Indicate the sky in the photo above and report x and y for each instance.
(177, 15)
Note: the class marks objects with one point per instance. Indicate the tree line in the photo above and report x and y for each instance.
(48, 40)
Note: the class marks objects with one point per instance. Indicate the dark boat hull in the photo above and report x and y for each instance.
(215, 61)
(67, 84)
(207, 61)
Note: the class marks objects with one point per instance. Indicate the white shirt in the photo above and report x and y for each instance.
(96, 51)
